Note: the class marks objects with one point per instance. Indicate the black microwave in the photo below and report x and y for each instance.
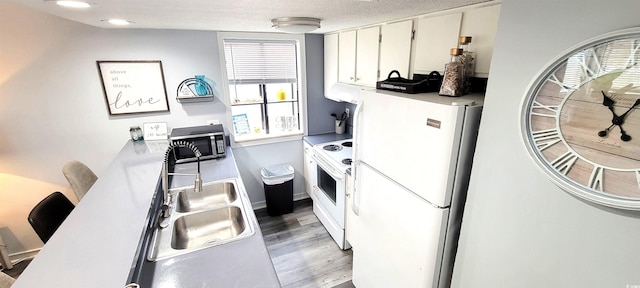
(209, 139)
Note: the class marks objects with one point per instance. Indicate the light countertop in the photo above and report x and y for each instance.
(97, 244)
(324, 138)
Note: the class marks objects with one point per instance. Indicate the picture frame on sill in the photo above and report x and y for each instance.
(155, 131)
(132, 87)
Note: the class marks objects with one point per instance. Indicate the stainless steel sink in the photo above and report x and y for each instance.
(199, 220)
(212, 194)
(207, 227)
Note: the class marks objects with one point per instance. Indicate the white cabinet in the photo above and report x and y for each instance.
(358, 56)
(435, 36)
(309, 168)
(364, 56)
(395, 48)
(481, 24)
(347, 56)
(330, 64)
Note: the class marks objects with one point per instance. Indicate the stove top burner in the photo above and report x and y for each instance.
(337, 154)
(332, 147)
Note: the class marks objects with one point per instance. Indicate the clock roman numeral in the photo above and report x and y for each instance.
(545, 138)
(594, 62)
(595, 180)
(564, 163)
(546, 110)
(554, 79)
(638, 178)
(632, 60)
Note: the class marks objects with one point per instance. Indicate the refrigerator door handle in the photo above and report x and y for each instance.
(355, 204)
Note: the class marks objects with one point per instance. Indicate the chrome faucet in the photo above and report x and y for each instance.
(165, 210)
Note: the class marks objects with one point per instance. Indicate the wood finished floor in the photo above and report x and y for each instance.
(302, 251)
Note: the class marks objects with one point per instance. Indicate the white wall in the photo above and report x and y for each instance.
(52, 107)
(519, 230)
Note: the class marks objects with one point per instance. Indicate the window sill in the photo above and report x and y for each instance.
(261, 140)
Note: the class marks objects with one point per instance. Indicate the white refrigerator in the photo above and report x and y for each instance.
(412, 159)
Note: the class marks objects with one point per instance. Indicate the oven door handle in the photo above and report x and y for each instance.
(327, 168)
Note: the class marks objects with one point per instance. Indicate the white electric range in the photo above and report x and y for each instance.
(332, 160)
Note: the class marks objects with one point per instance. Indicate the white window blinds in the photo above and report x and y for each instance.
(260, 62)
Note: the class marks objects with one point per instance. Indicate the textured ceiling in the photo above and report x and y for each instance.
(244, 15)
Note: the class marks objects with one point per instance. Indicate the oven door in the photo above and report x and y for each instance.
(329, 190)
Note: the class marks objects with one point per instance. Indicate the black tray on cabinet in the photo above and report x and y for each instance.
(420, 84)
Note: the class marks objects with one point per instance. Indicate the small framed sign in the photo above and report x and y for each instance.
(241, 124)
(133, 86)
(155, 131)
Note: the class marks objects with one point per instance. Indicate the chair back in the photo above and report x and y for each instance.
(80, 177)
(46, 217)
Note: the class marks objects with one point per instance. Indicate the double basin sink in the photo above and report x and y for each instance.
(215, 216)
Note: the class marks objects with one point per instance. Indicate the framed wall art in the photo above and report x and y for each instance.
(133, 86)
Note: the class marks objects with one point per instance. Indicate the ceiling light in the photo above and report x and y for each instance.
(118, 22)
(73, 4)
(296, 24)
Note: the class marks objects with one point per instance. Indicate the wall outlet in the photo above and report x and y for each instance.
(346, 110)
(213, 122)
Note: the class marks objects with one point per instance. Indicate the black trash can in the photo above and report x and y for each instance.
(278, 188)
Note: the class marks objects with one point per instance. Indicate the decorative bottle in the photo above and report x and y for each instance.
(201, 85)
(452, 81)
(468, 59)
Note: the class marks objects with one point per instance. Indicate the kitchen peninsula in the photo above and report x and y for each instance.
(98, 244)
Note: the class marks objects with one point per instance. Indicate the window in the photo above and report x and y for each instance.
(263, 86)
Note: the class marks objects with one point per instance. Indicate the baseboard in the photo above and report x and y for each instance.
(25, 254)
(263, 204)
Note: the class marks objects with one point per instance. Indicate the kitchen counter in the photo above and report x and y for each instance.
(241, 263)
(323, 138)
(99, 241)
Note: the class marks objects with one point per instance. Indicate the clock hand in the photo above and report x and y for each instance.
(609, 103)
(624, 137)
(621, 117)
(605, 131)
(619, 120)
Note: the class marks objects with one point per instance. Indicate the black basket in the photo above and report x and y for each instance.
(421, 84)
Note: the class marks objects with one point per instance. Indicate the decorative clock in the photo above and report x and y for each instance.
(580, 120)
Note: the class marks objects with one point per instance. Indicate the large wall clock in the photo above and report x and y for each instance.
(580, 120)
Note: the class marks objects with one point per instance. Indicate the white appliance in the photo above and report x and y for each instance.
(332, 160)
(412, 160)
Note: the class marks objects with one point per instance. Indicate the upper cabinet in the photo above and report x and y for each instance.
(481, 24)
(358, 56)
(435, 36)
(330, 63)
(347, 57)
(361, 57)
(395, 48)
